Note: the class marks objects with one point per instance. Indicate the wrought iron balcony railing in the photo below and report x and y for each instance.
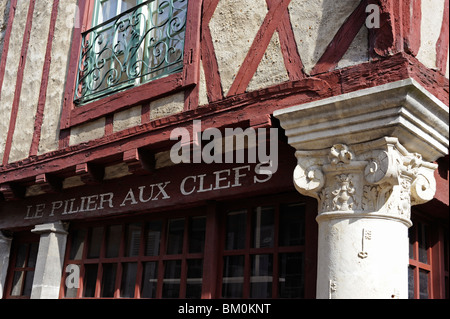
(135, 47)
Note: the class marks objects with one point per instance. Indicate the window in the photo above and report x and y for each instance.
(161, 258)
(22, 265)
(428, 260)
(264, 252)
(131, 42)
(127, 52)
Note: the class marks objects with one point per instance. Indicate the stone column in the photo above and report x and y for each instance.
(365, 192)
(50, 259)
(366, 157)
(5, 247)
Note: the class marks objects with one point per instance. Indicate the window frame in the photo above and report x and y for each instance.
(161, 258)
(20, 238)
(308, 249)
(185, 80)
(437, 257)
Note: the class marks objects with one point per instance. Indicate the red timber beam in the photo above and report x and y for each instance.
(442, 42)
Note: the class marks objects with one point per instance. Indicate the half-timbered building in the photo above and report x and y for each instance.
(224, 149)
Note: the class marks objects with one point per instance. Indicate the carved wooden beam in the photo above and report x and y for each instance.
(90, 173)
(49, 183)
(12, 191)
(139, 161)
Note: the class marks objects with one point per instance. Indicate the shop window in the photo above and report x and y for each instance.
(428, 260)
(22, 266)
(264, 252)
(152, 259)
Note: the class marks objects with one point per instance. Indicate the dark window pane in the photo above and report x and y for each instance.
(22, 251)
(291, 279)
(95, 242)
(28, 283)
(133, 240)
(261, 279)
(263, 227)
(197, 234)
(194, 278)
(153, 238)
(292, 225)
(149, 279)
(423, 243)
(233, 277)
(77, 244)
(108, 280)
(90, 279)
(423, 284)
(175, 236)
(113, 241)
(32, 256)
(411, 282)
(236, 225)
(412, 239)
(16, 289)
(128, 283)
(171, 282)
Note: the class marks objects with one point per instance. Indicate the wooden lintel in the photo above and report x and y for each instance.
(90, 173)
(49, 183)
(12, 191)
(139, 161)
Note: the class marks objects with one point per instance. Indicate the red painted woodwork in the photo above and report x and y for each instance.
(442, 42)
(19, 82)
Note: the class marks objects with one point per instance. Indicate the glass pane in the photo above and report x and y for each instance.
(133, 240)
(17, 283)
(128, 283)
(261, 278)
(28, 283)
(412, 239)
(77, 244)
(236, 226)
(263, 227)
(108, 280)
(194, 278)
(32, 255)
(172, 275)
(149, 279)
(127, 4)
(292, 225)
(90, 279)
(153, 238)
(423, 243)
(410, 282)
(108, 10)
(423, 284)
(197, 234)
(233, 277)
(291, 275)
(175, 236)
(113, 241)
(21, 255)
(95, 242)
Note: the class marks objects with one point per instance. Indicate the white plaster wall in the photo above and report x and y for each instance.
(4, 14)
(432, 15)
(233, 27)
(57, 79)
(86, 132)
(31, 84)
(167, 106)
(271, 69)
(127, 118)
(316, 22)
(12, 64)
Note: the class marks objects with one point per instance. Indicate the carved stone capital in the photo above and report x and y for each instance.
(373, 179)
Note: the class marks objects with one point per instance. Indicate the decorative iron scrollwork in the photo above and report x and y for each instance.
(137, 46)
